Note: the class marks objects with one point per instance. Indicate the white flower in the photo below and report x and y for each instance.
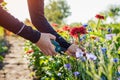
(59, 74)
(51, 59)
(97, 39)
(79, 53)
(109, 36)
(91, 56)
(118, 78)
(49, 73)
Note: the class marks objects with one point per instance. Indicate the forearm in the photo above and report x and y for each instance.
(14, 25)
(36, 9)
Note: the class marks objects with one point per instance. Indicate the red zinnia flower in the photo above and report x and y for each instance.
(99, 16)
(54, 24)
(78, 30)
(66, 28)
(29, 51)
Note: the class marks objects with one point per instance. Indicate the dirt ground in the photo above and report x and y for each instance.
(15, 66)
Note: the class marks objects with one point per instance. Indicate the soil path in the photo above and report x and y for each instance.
(15, 65)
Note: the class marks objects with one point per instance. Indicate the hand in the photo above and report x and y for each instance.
(45, 44)
(72, 50)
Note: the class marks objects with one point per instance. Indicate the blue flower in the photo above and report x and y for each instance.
(103, 50)
(85, 25)
(103, 78)
(80, 39)
(115, 60)
(83, 59)
(109, 30)
(68, 66)
(76, 73)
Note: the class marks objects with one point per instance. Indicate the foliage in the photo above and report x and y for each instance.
(112, 12)
(1, 58)
(57, 10)
(1, 33)
(99, 61)
(3, 46)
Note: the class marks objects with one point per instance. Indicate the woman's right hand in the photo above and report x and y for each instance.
(45, 44)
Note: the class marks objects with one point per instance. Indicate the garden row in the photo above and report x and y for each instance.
(99, 61)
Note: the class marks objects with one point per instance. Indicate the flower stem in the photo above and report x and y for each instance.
(98, 24)
(79, 39)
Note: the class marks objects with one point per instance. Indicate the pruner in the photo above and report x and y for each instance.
(58, 48)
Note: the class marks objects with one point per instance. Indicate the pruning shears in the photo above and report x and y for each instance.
(58, 48)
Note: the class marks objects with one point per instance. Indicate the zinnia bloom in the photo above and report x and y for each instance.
(78, 30)
(98, 16)
(59, 31)
(29, 51)
(93, 37)
(66, 28)
(54, 24)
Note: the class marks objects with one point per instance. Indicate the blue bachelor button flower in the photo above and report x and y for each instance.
(76, 73)
(83, 59)
(85, 25)
(109, 30)
(103, 50)
(68, 66)
(115, 60)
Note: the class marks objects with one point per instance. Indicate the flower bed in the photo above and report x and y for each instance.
(99, 61)
(3, 47)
